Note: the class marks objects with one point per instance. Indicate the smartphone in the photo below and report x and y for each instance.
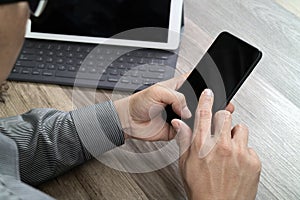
(223, 68)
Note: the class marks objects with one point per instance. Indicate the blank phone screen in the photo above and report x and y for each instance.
(223, 68)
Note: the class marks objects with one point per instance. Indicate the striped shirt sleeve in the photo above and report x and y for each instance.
(51, 142)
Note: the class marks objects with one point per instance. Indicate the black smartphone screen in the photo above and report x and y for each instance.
(223, 69)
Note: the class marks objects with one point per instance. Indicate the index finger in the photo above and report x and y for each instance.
(203, 118)
(230, 108)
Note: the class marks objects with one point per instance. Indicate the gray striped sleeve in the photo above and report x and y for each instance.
(98, 127)
(11, 188)
(50, 142)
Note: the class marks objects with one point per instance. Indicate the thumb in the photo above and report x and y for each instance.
(184, 137)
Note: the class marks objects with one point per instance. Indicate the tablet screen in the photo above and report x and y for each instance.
(105, 18)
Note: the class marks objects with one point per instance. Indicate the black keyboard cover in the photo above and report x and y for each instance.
(95, 66)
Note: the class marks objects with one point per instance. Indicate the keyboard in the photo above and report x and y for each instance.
(95, 66)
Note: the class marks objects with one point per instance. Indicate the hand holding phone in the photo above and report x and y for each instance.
(223, 69)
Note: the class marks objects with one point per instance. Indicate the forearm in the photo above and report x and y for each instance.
(50, 142)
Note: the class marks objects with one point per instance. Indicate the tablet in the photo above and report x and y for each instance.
(137, 23)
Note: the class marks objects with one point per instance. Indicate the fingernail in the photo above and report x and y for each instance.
(186, 112)
(208, 92)
(176, 126)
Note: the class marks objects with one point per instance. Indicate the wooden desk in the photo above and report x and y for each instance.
(268, 102)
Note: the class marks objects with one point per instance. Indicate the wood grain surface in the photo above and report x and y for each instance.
(268, 102)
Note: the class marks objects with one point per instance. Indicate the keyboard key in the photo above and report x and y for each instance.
(82, 69)
(119, 53)
(91, 63)
(121, 60)
(102, 64)
(28, 51)
(50, 66)
(150, 55)
(111, 58)
(113, 79)
(72, 69)
(39, 46)
(49, 46)
(68, 48)
(162, 56)
(62, 67)
(114, 72)
(47, 73)
(124, 73)
(41, 66)
(153, 75)
(151, 62)
(81, 55)
(49, 60)
(30, 64)
(124, 80)
(16, 70)
(69, 61)
(27, 57)
(39, 59)
(103, 71)
(78, 49)
(66, 74)
(25, 71)
(135, 74)
(59, 47)
(156, 69)
(88, 50)
(60, 60)
(70, 55)
(108, 51)
(93, 70)
(131, 60)
(60, 54)
(91, 57)
(29, 44)
(143, 61)
(100, 57)
(142, 68)
(112, 65)
(121, 66)
(136, 81)
(36, 72)
(162, 62)
(139, 54)
(130, 66)
(149, 82)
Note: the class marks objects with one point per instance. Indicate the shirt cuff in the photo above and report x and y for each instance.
(99, 128)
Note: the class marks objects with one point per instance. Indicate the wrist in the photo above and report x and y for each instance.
(122, 108)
